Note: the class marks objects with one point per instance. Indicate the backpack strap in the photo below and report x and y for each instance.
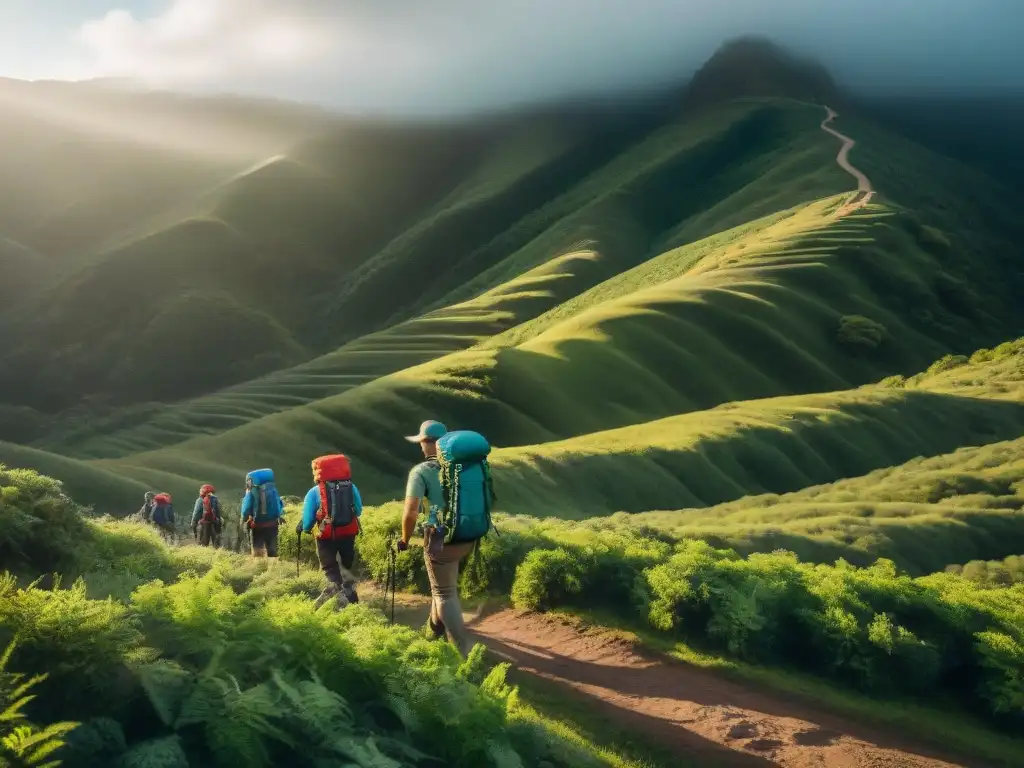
(321, 514)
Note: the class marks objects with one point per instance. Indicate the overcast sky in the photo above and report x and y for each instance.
(450, 55)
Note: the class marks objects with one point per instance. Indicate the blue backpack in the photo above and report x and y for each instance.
(266, 500)
(466, 482)
(163, 511)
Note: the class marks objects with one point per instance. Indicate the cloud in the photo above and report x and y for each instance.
(202, 40)
(451, 55)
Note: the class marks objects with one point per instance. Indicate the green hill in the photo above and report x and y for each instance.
(719, 384)
(286, 236)
(561, 280)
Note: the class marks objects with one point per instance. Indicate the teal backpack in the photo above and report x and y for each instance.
(466, 481)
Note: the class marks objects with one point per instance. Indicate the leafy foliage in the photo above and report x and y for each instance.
(859, 332)
(992, 573)
(873, 628)
(42, 526)
(227, 660)
(22, 744)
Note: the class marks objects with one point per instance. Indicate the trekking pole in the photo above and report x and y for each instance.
(298, 553)
(392, 555)
(388, 574)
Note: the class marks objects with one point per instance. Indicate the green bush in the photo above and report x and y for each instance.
(43, 529)
(86, 647)
(859, 332)
(992, 573)
(200, 672)
(873, 628)
(947, 363)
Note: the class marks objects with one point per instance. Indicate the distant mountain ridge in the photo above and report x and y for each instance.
(173, 276)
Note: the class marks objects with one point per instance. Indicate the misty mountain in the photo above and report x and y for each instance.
(182, 230)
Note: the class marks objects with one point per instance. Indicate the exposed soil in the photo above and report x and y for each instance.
(865, 190)
(705, 718)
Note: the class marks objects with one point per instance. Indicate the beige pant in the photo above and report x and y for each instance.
(445, 609)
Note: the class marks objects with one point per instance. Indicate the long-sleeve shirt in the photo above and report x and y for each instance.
(197, 510)
(311, 506)
(249, 504)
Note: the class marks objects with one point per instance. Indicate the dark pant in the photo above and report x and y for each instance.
(205, 534)
(329, 552)
(264, 541)
(208, 533)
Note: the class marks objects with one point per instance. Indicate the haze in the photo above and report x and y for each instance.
(407, 57)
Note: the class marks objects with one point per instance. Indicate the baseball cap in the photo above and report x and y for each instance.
(429, 430)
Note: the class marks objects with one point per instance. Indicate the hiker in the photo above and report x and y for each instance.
(261, 511)
(147, 508)
(206, 514)
(452, 529)
(334, 506)
(162, 516)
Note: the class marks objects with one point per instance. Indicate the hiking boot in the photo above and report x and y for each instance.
(331, 590)
(351, 596)
(437, 631)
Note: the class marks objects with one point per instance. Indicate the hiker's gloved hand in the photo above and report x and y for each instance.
(402, 545)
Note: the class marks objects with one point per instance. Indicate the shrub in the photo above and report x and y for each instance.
(893, 382)
(43, 529)
(263, 677)
(947, 363)
(86, 647)
(871, 627)
(859, 332)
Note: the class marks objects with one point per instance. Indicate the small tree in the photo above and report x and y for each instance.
(859, 332)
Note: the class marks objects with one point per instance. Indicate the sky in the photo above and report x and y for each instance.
(440, 56)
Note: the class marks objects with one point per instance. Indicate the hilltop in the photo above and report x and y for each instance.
(758, 67)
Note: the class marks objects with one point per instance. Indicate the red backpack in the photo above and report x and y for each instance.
(337, 513)
(209, 514)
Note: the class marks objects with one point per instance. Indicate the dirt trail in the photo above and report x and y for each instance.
(700, 715)
(865, 190)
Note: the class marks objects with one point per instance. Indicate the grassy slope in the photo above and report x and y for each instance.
(93, 165)
(287, 236)
(592, 218)
(371, 417)
(761, 309)
(757, 306)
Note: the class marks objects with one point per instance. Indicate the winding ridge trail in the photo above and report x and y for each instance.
(865, 190)
(705, 718)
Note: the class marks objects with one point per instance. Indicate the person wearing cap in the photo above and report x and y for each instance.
(423, 494)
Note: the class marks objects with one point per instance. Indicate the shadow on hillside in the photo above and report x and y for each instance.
(733, 453)
(680, 694)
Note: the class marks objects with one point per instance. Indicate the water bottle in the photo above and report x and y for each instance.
(435, 541)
